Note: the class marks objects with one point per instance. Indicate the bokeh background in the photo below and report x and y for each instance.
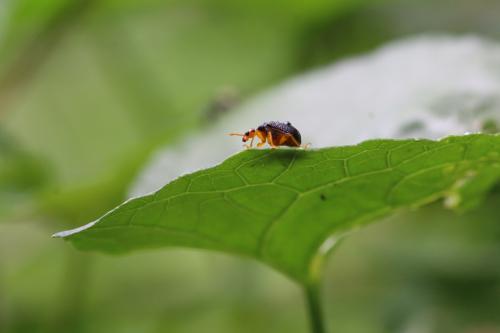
(90, 89)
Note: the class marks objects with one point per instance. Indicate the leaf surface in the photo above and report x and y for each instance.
(287, 207)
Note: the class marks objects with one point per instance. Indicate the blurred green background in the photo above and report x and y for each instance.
(88, 89)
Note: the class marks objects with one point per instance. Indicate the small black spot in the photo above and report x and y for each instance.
(322, 197)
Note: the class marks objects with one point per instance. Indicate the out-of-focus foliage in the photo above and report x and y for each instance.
(365, 28)
(21, 174)
(427, 271)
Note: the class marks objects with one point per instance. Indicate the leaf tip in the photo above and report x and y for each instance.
(67, 233)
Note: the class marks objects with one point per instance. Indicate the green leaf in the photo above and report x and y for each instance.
(287, 207)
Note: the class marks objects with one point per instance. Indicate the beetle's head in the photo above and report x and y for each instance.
(248, 135)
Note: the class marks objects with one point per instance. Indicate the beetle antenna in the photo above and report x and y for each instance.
(236, 134)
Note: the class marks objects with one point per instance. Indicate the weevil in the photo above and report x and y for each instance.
(275, 133)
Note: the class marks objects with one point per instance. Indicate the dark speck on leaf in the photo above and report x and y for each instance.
(323, 197)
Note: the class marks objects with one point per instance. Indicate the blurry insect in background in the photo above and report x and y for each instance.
(224, 101)
(275, 133)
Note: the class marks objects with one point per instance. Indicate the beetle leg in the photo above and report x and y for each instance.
(251, 143)
(248, 146)
(270, 140)
(297, 143)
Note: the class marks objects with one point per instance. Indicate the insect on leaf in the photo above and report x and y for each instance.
(285, 207)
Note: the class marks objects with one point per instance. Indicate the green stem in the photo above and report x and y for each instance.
(314, 307)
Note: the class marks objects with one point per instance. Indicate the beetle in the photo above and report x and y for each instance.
(275, 133)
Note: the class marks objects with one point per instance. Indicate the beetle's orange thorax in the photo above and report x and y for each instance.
(261, 135)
